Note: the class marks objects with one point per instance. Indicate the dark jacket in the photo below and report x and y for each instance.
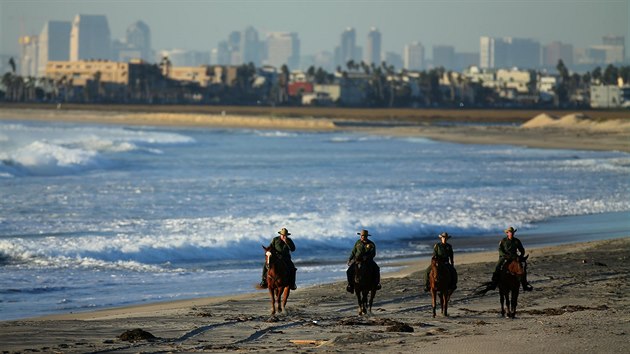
(443, 251)
(284, 249)
(360, 250)
(508, 248)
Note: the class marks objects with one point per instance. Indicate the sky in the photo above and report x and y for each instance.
(201, 24)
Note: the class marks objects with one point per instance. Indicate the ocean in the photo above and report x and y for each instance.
(95, 216)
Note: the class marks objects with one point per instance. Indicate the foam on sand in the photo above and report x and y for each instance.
(577, 121)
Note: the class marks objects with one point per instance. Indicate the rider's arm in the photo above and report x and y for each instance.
(502, 252)
(450, 254)
(290, 243)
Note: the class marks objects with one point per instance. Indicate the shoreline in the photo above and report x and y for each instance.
(470, 127)
(593, 277)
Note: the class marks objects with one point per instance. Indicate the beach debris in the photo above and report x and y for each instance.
(584, 261)
(564, 309)
(307, 341)
(136, 334)
(399, 327)
(354, 338)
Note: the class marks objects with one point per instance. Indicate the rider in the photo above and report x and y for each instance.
(443, 251)
(364, 250)
(508, 248)
(284, 245)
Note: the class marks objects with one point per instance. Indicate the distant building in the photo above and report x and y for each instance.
(138, 39)
(444, 55)
(54, 44)
(347, 49)
(250, 46)
(555, 51)
(90, 38)
(29, 51)
(395, 60)
(413, 56)
(509, 52)
(182, 57)
(465, 60)
(373, 50)
(610, 96)
(283, 48)
(82, 71)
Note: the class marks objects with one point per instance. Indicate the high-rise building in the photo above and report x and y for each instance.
(54, 44)
(373, 52)
(413, 56)
(250, 46)
(509, 52)
(283, 48)
(28, 56)
(444, 56)
(394, 59)
(90, 38)
(347, 48)
(555, 51)
(138, 37)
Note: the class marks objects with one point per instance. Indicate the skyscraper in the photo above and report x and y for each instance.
(347, 48)
(509, 52)
(90, 38)
(283, 48)
(138, 37)
(28, 55)
(413, 56)
(54, 44)
(444, 56)
(250, 46)
(555, 51)
(373, 55)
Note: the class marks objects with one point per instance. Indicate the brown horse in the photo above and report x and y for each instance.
(510, 283)
(440, 283)
(364, 282)
(278, 279)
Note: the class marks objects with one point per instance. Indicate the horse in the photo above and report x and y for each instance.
(510, 283)
(440, 284)
(278, 279)
(364, 282)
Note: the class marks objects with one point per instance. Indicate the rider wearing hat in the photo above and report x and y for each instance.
(509, 248)
(364, 251)
(443, 251)
(284, 245)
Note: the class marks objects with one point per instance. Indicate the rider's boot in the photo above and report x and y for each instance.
(293, 285)
(350, 288)
(263, 284)
(378, 281)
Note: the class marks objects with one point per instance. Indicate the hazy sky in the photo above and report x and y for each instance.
(201, 24)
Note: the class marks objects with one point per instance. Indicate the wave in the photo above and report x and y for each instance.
(34, 150)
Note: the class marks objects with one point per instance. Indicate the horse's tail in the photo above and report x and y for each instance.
(482, 289)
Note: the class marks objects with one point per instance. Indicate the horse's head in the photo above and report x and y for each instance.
(517, 266)
(269, 252)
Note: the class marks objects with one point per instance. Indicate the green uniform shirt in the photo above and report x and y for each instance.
(508, 248)
(443, 251)
(367, 249)
(284, 249)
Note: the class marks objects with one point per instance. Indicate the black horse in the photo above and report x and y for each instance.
(365, 281)
(510, 283)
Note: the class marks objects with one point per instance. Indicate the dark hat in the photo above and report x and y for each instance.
(364, 233)
(284, 231)
(445, 235)
(510, 229)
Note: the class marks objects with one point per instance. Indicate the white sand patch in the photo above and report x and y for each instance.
(577, 121)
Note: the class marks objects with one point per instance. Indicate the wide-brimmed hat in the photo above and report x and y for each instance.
(284, 231)
(364, 233)
(445, 235)
(510, 229)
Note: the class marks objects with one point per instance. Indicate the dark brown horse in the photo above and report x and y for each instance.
(365, 283)
(510, 283)
(440, 283)
(278, 279)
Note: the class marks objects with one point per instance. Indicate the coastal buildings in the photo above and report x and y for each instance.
(373, 49)
(444, 56)
(413, 56)
(508, 52)
(90, 38)
(283, 48)
(54, 44)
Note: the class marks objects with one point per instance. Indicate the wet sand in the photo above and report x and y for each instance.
(579, 304)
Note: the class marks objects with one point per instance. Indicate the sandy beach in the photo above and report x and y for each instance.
(597, 130)
(579, 304)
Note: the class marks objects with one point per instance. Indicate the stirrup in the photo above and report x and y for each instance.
(350, 289)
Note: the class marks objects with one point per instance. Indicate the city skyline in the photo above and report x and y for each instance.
(201, 25)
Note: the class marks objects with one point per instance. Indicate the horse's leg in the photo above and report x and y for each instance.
(287, 290)
(514, 301)
(502, 297)
(279, 298)
(359, 300)
(445, 301)
(508, 302)
(272, 294)
(372, 293)
(433, 300)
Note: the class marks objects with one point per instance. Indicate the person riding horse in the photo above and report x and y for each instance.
(284, 245)
(509, 248)
(364, 250)
(443, 251)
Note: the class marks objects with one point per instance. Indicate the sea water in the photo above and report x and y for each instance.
(95, 216)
